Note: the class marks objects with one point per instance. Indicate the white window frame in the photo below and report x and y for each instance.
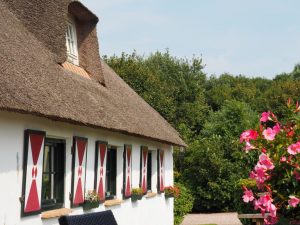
(71, 42)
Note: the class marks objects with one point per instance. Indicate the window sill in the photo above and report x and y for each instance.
(150, 195)
(55, 213)
(109, 203)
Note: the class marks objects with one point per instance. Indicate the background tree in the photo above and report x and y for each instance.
(172, 86)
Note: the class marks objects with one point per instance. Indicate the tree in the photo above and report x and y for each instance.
(240, 88)
(172, 86)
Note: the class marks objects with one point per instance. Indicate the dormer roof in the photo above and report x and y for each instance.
(82, 12)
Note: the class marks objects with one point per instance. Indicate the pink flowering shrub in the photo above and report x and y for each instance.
(277, 172)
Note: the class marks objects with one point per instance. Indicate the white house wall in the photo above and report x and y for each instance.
(151, 211)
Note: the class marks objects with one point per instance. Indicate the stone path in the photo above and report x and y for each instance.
(212, 218)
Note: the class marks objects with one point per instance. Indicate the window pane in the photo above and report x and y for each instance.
(46, 159)
(53, 174)
(71, 42)
(46, 187)
(113, 156)
(107, 178)
(111, 173)
(59, 158)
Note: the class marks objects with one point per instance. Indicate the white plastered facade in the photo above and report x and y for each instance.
(149, 211)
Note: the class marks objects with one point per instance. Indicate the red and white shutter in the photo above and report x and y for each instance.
(32, 172)
(161, 171)
(78, 172)
(127, 156)
(143, 169)
(100, 168)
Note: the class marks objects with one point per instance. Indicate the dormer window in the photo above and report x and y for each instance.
(71, 42)
(81, 42)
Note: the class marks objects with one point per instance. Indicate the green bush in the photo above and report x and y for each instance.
(182, 204)
(214, 162)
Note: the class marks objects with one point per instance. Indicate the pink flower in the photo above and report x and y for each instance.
(273, 210)
(276, 128)
(260, 170)
(290, 133)
(264, 117)
(269, 134)
(248, 196)
(264, 204)
(259, 174)
(293, 149)
(265, 162)
(296, 174)
(265, 201)
(297, 107)
(294, 201)
(248, 147)
(283, 159)
(248, 135)
(257, 205)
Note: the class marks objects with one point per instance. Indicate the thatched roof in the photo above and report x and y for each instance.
(32, 81)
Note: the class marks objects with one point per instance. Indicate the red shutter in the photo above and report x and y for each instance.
(127, 171)
(32, 171)
(161, 170)
(78, 170)
(100, 168)
(143, 169)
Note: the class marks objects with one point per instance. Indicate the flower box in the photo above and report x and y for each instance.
(169, 196)
(136, 194)
(135, 198)
(92, 200)
(87, 205)
(171, 192)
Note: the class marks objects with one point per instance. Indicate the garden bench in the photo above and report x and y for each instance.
(97, 218)
(258, 219)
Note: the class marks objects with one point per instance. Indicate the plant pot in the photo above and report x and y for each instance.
(169, 195)
(90, 205)
(135, 198)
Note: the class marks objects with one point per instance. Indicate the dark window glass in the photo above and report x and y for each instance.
(111, 173)
(149, 171)
(53, 174)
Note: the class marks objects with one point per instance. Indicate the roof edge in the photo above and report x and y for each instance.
(74, 122)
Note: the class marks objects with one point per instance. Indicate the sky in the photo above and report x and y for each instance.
(248, 37)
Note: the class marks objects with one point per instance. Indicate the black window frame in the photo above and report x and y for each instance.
(111, 174)
(49, 204)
